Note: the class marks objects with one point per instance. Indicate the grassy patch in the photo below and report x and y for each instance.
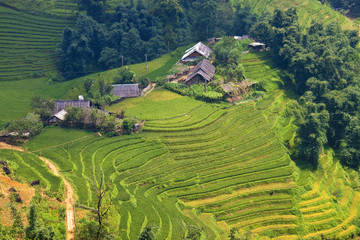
(159, 104)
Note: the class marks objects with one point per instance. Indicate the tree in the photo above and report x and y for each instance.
(93, 8)
(204, 12)
(147, 234)
(351, 149)
(124, 76)
(102, 192)
(28, 126)
(312, 129)
(110, 58)
(42, 106)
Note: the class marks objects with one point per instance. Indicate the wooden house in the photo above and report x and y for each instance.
(126, 90)
(257, 47)
(195, 52)
(62, 104)
(203, 72)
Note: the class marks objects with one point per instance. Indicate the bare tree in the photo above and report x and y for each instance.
(102, 191)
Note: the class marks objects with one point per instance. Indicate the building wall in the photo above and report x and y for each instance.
(196, 80)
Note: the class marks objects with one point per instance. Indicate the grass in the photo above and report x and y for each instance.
(159, 104)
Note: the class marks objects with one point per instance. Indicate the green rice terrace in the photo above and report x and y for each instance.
(27, 43)
(308, 11)
(218, 166)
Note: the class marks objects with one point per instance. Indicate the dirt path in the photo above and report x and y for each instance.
(69, 192)
(152, 88)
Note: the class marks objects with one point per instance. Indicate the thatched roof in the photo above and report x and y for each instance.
(200, 48)
(204, 69)
(62, 104)
(126, 90)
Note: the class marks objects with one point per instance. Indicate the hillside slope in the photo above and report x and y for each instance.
(28, 43)
(308, 11)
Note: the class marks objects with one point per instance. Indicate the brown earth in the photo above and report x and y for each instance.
(69, 192)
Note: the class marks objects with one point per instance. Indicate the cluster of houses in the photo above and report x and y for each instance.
(203, 73)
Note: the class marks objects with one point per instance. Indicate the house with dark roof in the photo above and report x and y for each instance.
(126, 90)
(198, 50)
(62, 104)
(203, 72)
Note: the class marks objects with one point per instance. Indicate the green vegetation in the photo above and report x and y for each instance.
(159, 104)
(28, 44)
(308, 10)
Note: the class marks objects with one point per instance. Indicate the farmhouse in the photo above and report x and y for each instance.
(203, 72)
(256, 46)
(126, 90)
(58, 117)
(198, 50)
(62, 104)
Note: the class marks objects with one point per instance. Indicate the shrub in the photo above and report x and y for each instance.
(128, 125)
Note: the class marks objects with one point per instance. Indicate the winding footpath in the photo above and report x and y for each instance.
(69, 192)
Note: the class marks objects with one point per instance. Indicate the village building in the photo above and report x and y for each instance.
(58, 117)
(62, 104)
(203, 72)
(126, 90)
(195, 52)
(257, 46)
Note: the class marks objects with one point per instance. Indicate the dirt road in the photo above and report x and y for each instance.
(69, 192)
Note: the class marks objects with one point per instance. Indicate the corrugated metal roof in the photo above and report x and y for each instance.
(203, 68)
(61, 115)
(62, 104)
(199, 48)
(126, 90)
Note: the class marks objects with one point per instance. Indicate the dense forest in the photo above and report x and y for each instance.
(102, 40)
(325, 65)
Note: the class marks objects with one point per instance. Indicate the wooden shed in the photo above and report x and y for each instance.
(203, 72)
(198, 50)
(126, 90)
(58, 117)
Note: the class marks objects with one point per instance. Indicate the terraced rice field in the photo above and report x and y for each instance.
(28, 43)
(329, 208)
(28, 167)
(211, 160)
(308, 11)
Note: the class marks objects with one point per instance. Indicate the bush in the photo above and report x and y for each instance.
(124, 76)
(128, 125)
(197, 91)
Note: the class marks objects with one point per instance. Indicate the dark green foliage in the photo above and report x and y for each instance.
(28, 126)
(110, 58)
(193, 232)
(86, 230)
(124, 76)
(324, 62)
(128, 125)
(312, 130)
(36, 230)
(351, 150)
(147, 234)
(150, 28)
(93, 8)
(42, 106)
(91, 119)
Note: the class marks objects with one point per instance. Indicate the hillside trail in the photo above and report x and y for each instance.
(69, 192)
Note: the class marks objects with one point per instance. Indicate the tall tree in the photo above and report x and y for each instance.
(102, 192)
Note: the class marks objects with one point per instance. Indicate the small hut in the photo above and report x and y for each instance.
(257, 46)
(126, 90)
(58, 117)
(198, 50)
(203, 72)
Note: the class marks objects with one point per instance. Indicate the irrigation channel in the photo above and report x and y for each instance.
(69, 196)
